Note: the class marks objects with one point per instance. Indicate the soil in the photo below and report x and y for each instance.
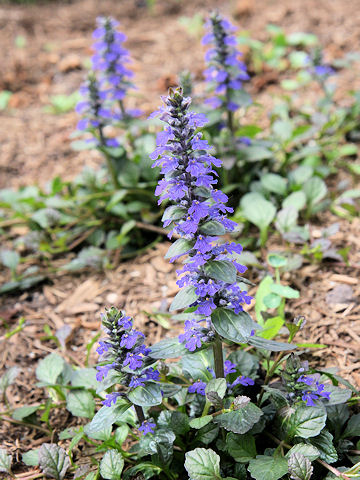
(35, 147)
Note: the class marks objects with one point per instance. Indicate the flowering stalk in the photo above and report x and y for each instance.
(225, 72)
(209, 277)
(301, 384)
(321, 72)
(104, 92)
(125, 352)
(110, 59)
(97, 114)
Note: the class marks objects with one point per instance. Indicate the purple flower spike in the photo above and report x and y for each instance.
(189, 181)
(225, 72)
(125, 347)
(110, 59)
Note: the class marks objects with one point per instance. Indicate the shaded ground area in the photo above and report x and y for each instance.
(35, 147)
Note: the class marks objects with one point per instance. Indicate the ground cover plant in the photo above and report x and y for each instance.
(230, 397)
(111, 213)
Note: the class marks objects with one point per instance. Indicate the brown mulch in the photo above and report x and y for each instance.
(35, 146)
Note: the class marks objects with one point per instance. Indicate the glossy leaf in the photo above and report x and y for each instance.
(112, 465)
(268, 468)
(306, 422)
(50, 368)
(202, 464)
(146, 396)
(185, 297)
(241, 447)
(180, 247)
(53, 460)
(232, 326)
(241, 420)
(221, 270)
(200, 422)
(300, 467)
(80, 403)
(167, 348)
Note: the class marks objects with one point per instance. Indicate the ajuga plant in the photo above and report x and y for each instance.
(223, 406)
(225, 72)
(115, 129)
(321, 72)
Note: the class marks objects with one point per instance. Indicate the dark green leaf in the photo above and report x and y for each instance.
(107, 416)
(212, 227)
(308, 451)
(180, 247)
(270, 345)
(300, 467)
(145, 469)
(207, 434)
(160, 444)
(249, 363)
(112, 465)
(221, 270)
(241, 420)
(232, 326)
(353, 427)
(324, 443)
(146, 396)
(268, 468)
(167, 348)
(217, 385)
(195, 365)
(173, 213)
(241, 447)
(178, 422)
(338, 395)
(305, 422)
(202, 464)
(53, 460)
(200, 422)
(184, 298)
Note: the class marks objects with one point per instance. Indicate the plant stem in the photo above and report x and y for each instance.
(270, 373)
(108, 159)
(140, 413)
(218, 359)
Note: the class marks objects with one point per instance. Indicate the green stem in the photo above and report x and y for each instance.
(218, 359)
(263, 236)
(109, 161)
(270, 373)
